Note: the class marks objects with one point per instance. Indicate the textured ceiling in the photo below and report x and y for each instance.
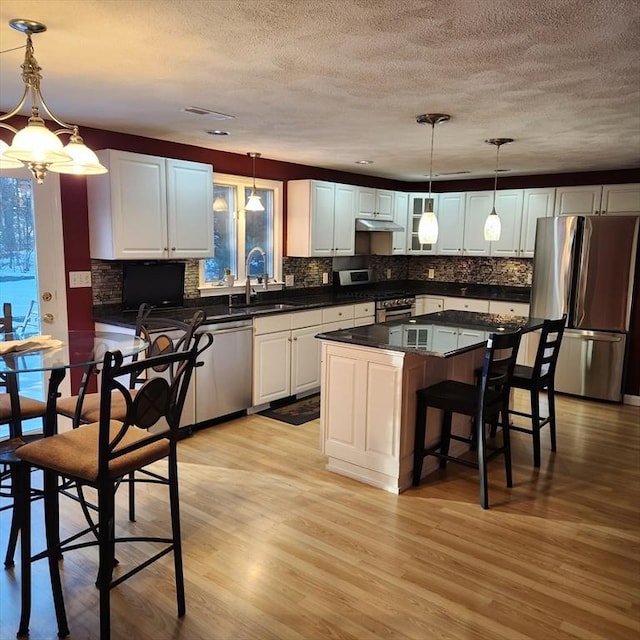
(330, 82)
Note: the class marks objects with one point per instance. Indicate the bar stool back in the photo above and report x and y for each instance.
(483, 402)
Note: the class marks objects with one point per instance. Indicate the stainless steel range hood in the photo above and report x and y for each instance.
(369, 224)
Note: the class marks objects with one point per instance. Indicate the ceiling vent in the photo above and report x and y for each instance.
(200, 111)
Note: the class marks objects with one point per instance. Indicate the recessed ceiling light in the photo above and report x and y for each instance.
(218, 132)
(201, 111)
(364, 161)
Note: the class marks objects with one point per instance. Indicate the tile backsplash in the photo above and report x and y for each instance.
(307, 272)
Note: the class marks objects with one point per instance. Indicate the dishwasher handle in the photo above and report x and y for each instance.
(221, 332)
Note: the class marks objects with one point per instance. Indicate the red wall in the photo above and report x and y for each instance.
(75, 216)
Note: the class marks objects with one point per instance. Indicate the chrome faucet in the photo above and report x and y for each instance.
(247, 284)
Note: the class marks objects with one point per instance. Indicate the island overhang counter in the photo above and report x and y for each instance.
(370, 375)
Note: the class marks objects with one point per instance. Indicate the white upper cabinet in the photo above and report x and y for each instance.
(375, 203)
(509, 209)
(614, 199)
(450, 214)
(620, 199)
(320, 218)
(477, 207)
(573, 201)
(417, 205)
(538, 203)
(400, 216)
(149, 207)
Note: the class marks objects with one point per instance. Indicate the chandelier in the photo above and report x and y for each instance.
(428, 225)
(35, 145)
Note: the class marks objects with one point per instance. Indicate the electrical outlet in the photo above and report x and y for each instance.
(288, 281)
(325, 278)
(388, 274)
(529, 278)
(432, 274)
(79, 279)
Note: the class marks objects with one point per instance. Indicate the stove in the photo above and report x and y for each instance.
(391, 302)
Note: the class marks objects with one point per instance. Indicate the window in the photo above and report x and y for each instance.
(236, 231)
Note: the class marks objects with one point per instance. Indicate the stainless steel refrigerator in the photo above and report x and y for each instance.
(584, 266)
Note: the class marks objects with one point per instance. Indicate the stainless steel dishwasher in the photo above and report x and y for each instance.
(223, 383)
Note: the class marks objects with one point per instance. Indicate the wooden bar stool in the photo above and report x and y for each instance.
(483, 402)
(539, 378)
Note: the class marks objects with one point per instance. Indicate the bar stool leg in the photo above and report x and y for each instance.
(535, 424)
(23, 508)
(52, 532)
(506, 444)
(14, 531)
(551, 399)
(445, 438)
(418, 441)
(482, 461)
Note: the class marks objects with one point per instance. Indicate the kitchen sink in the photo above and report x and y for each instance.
(264, 308)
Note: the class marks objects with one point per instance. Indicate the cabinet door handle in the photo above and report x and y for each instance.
(173, 248)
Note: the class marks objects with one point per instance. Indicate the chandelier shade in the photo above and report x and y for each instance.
(254, 202)
(35, 145)
(7, 163)
(492, 225)
(428, 225)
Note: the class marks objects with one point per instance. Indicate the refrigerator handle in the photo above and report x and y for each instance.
(581, 283)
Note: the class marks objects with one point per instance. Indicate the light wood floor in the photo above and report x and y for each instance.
(277, 548)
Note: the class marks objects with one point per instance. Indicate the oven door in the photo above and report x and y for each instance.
(397, 313)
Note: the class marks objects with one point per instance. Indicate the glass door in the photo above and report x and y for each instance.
(32, 275)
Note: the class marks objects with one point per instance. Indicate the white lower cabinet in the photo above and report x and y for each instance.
(362, 420)
(364, 313)
(286, 355)
(428, 304)
(445, 339)
(529, 341)
(466, 304)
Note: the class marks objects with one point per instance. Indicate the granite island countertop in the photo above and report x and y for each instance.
(419, 334)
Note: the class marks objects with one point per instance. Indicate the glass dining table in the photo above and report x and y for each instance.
(78, 348)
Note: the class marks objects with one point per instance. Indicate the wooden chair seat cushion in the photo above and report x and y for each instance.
(74, 453)
(29, 408)
(91, 407)
(458, 397)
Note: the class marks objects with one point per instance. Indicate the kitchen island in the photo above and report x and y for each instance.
(370, 376)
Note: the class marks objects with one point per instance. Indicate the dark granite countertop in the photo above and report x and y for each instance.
(413, 336)
(217, 308)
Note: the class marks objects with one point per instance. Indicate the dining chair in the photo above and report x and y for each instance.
(540, 377)
(14, 409)
(97, 455)
(483, 402)
(164, 335)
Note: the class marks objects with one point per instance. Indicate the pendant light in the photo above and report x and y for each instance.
(428, 225)
(35, 145)
(492, 226)
(254, 203)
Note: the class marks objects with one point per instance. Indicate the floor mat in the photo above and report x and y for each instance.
(296, 413)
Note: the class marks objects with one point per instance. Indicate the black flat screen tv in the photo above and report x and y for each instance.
(160, 284)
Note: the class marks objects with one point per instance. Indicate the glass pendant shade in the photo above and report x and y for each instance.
(492, 227)
(220, 204)
(7, 163)
(37, 144)
(428, 228)
(254, 203)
